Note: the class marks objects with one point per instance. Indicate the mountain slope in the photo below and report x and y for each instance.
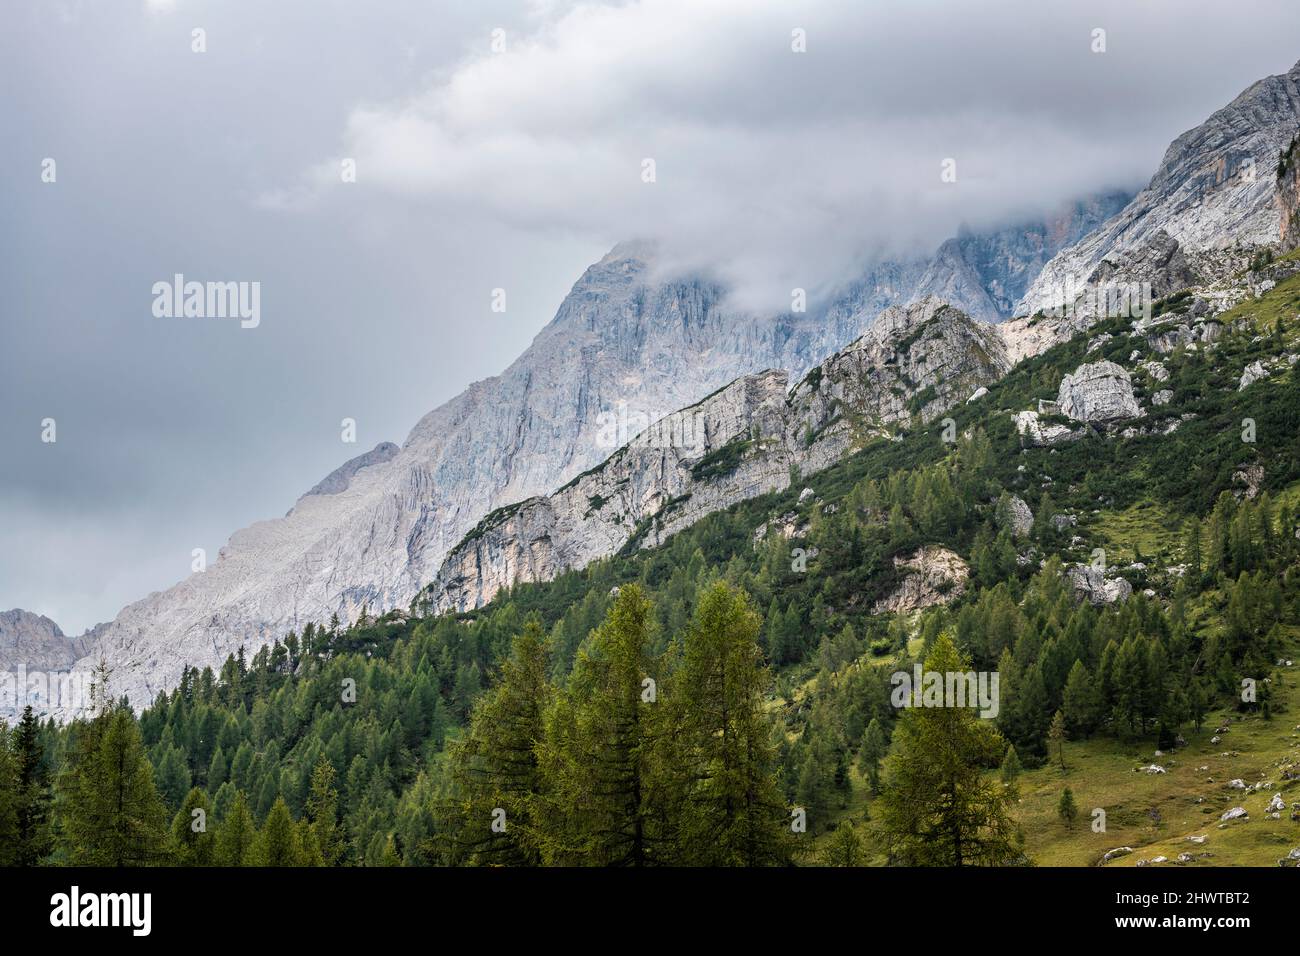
(1214, 189)
(743, 441)
(35, 642)
(627, 342)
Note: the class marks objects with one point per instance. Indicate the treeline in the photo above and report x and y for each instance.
(639, 758)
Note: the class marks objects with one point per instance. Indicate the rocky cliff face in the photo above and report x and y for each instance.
(1288, 196)
(1214, 190)
(633, 343)
(628, 344)
(35, 642)
(912, 365)
(986, 275)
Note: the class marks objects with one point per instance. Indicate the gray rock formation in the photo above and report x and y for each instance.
(35, 642)
(1253, 373)
(628, 344)
(1098, 392)
(1288, 196)
(935, 576)
(1092, 585)
(1014, 514)
(911, 366)
(1214, 189)
(337, 481)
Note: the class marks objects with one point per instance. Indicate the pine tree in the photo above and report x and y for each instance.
(192, 832)
(236, 834)
(278, 843)
(1079, 701)
(322, 814)
(9, 802)
(732, 814)
(871, 752)
(1057, 735)
(1010, 768)
(938, 807)
(113, 815)
(495, 764)
(1066, 809)
(34, 796)
(604, 748)
(173, 776)
(218, 770)
(844, 848)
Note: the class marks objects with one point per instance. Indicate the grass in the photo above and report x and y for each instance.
(1145, 526)
(1189, 801)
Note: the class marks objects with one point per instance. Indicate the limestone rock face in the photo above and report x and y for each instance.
(1214, 189)
(1016, 516)
(1253, 373)
(913, 364)
(1092, 585)
(1288, 197)
(1098, 392)
(35, 642)
(337, 481)
(936, 576)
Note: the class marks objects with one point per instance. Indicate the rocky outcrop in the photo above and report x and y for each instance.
(34, 642)
(1288, 196)
(1094, 586)
(1254, 372)
(912, 365)
(1098, 392)
(1213, 189)
(986, 274)
(935, 575)
(631, 342)
(337, 481)
(1014, 514)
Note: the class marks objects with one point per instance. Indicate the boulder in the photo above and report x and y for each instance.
(1016, 516)
(1254, 372)
(1098, 392)
(1093, 585)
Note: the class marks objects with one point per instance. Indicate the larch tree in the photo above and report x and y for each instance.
(939, 806)
(112, 813)
(733, 814)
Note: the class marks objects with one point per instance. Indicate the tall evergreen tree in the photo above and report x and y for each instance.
(279, 842)
(322, 814)
(939, 808)
(603, 755)
(193, 828)
(34, 840)
(112, 814)
(733, 814)
(9, 801)
(844, 848)
(871, 752)
(236, 834)
(496, 766)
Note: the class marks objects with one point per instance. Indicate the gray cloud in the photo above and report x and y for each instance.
(475, 171)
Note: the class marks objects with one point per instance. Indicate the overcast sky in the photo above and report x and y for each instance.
(479, 167)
